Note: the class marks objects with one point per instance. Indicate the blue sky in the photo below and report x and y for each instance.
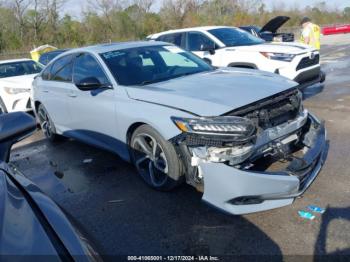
(75, 7)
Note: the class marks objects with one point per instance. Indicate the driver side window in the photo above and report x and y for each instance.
(85, 67)
(195, 40)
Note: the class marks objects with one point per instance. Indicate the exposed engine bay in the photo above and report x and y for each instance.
(283, 134)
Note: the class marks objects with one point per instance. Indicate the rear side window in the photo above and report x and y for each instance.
(175, 39)
(196, 40)
(85, 67)
(61, 70)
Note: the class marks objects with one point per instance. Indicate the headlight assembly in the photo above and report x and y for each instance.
(237, 128)
(15, 91)
(278, 56)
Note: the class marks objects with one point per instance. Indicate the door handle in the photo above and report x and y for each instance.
(72, 95)
(45, 91)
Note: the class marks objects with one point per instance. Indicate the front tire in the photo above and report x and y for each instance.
(155, 159)
(46, 124)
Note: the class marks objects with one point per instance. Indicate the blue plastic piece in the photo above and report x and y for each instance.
(317, 209)
(306, 215)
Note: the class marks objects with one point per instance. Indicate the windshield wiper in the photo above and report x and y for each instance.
(146, 82)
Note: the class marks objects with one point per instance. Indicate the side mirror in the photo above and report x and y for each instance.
(91, 83)
(13, 128)
(208, 47)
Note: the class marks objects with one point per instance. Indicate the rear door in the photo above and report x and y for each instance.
(175, 38)
(54, 88)
(93, 117)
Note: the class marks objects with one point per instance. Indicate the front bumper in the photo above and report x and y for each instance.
(17, 102)
(238, 191)
(309, 78)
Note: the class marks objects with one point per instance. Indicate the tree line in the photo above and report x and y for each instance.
(29, 23)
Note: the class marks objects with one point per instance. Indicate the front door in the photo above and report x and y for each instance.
(93, 114)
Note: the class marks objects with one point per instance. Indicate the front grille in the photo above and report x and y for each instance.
(272, 111)
(307, 61)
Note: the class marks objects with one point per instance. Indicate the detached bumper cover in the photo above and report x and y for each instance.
(242, 191)
(311, 77)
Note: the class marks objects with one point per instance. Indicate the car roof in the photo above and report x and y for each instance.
(15, 60)
(198, 28)
(102, 48)
(56, 51)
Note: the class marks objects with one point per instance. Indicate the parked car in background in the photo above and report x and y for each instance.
(16, 77)
(224, 46)
(32, 225)
(269, 32)
(45, 58)
(224, 131)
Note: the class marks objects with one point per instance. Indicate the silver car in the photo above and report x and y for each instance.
(239, 136)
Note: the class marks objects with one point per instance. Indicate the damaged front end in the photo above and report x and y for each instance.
(254, 158)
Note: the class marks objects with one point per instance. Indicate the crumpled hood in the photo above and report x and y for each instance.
(212, 93)
(23, 81)
(281, 47)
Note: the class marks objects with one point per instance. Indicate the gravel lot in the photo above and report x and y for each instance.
(123, 216)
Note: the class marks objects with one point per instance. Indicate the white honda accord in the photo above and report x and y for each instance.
(240, 136)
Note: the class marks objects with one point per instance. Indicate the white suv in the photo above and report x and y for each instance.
(232, 47)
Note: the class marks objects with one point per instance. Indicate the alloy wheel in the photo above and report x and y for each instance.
(45, 122)
(150, 159)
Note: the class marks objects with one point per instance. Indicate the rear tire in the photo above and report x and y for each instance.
(46, 124)
(155, 159)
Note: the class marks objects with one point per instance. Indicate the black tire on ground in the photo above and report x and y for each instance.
(46, 124)
(155, 159)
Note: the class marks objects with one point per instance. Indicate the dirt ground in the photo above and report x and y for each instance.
(125, 217)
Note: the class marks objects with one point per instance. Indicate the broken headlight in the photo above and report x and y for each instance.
(237, 128)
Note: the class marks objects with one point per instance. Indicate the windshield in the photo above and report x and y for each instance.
(235, 37)
(19, 68)
(145, 65)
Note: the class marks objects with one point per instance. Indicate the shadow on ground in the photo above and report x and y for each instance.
(333, 215)
(124, 216)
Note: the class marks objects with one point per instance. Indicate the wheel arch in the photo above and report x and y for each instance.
(243, 65)
(36, 105)
(132, 129)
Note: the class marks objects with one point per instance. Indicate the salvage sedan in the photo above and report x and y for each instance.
(240, 136)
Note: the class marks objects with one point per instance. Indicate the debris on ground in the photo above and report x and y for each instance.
(87, 161)
(317, 209)
(52, 163)
(306, 215)
(116, 201)
(59, 174)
